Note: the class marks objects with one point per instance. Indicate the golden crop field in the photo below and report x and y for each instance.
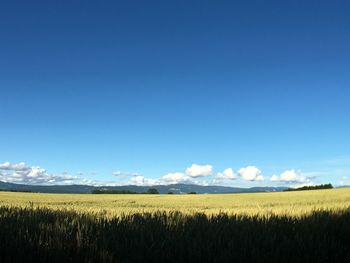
(282, 203)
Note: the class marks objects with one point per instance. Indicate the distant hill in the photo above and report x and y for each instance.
(163, 189)
(343, 186)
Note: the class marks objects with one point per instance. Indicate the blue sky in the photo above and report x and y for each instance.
(146, 89)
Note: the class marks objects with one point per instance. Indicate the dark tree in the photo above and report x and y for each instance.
(152, 191)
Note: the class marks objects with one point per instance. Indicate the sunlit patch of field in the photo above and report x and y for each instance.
(283, 203)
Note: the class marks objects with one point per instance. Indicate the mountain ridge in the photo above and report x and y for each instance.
(162, 189)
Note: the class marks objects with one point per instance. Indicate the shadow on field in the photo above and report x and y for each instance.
(43, 235)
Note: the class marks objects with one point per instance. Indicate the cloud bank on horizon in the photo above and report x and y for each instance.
(195, 174)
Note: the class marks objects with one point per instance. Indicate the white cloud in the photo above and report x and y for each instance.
(37, 171)
(291, 176)
(5, 166)
(180, 178)
(199, 170)
(174, 178)
(250, 173)
(21, 173)
(14, 167)
(20, 167)
(227, 174)
(143, 181)
(188, 177)
(36, 175)
(295, 177)
(224, 178)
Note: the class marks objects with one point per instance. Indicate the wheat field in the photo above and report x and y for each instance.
(281, 203)
(305, 226)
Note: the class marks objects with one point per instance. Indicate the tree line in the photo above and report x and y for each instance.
(313, 187)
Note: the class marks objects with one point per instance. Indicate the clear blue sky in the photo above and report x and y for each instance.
(152, 87)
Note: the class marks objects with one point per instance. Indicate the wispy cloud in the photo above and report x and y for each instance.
(125, 174)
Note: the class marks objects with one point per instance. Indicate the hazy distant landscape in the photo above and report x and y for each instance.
(162, 189)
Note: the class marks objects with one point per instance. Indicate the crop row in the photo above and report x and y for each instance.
(43, 235)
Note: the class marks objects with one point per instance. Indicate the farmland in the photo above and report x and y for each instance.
(282, 203)
(310, 226)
